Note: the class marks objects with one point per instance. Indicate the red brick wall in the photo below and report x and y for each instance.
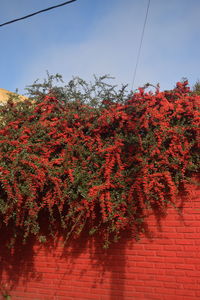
(164, 264)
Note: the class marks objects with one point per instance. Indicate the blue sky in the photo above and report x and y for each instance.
(100, 37)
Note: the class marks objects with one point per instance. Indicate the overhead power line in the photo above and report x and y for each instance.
(36, 13)
(140, 45)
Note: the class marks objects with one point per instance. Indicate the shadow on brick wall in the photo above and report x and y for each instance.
(17, 262)
(80, 266)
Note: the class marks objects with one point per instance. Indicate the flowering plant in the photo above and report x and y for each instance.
(98, 167)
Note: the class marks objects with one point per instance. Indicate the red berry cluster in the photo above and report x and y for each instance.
(98, 168)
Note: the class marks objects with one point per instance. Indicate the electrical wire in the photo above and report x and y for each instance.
(140, 46)
(36, 13)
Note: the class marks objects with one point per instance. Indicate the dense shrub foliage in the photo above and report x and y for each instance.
(97, 167)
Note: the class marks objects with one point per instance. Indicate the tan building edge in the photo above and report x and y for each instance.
(4, 96)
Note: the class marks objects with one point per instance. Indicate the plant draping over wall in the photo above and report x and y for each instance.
(96, 167)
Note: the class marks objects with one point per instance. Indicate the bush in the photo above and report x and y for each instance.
(88, 156)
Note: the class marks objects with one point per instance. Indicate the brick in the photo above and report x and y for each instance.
(167, 241)
(185, 292)
(173, 285)
(136, 258)
(197, 293)
(192, 273)
(174, 224)
(175, 260)
(147, 253)
(153, 247)
(165, 291)
(165, 267)
(166, 278)
(145, 277)
(174, 247)
(191, 248)
(133, 283)
(144, 289)
(192, 286)
(197, 267)
(152, 296)
(185, 229)
(176, 297)
(145, 264)
(185, 266)
(166, 253)
(186, 254)
(185, 279)
(155, 283)
(185, 241)
(193, 260)
(156, 259)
